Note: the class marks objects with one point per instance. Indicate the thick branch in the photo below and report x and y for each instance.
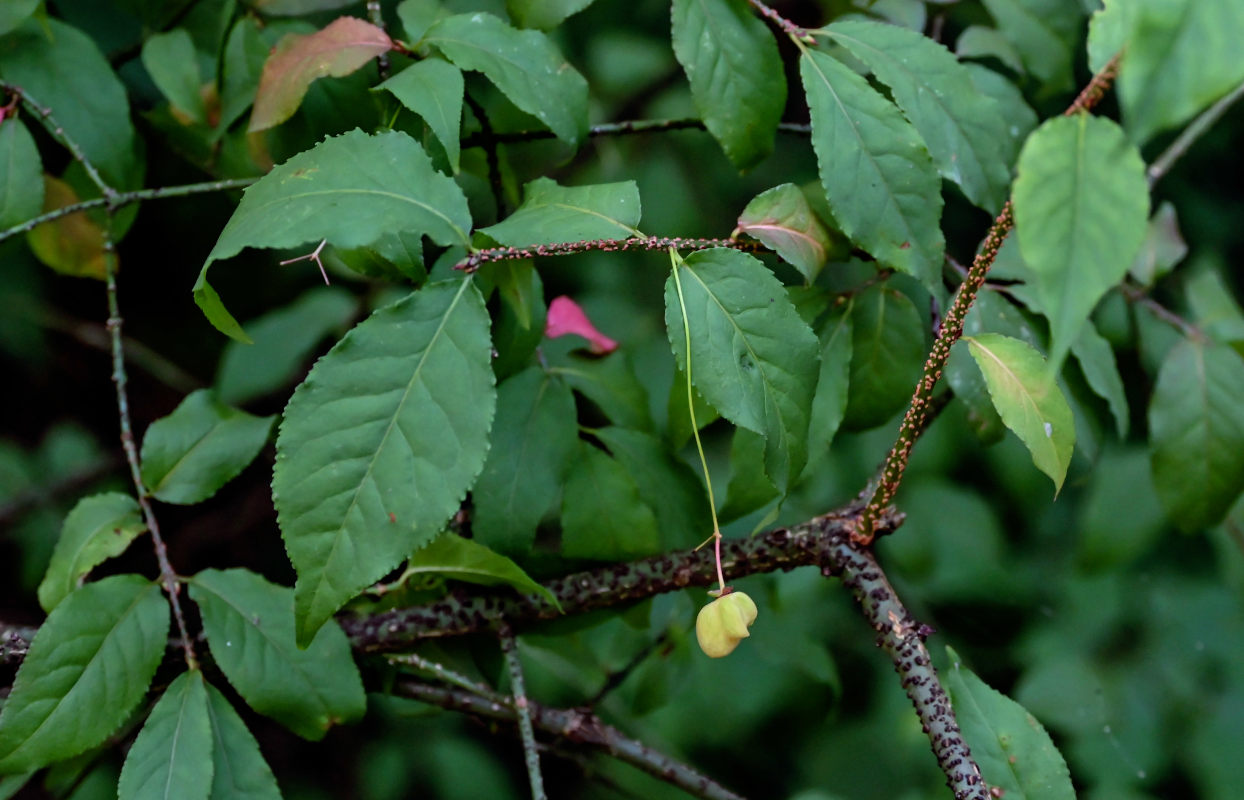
(903, 640)
(574, 725)
(809, 543)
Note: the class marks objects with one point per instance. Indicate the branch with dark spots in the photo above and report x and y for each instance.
(578, 726)
(902, 638)
(472, 262)
(807, 544)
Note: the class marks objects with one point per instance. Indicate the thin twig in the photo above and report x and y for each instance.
(902, 637)
(914, 421)
(1184, 141)
(442, 672)
(1134, 294)
(624, 128)
(122, 199)
(578, 726)
(509, 648)
(58, 133)
(472, 262)
(789, 28)
(489, 141)
(375, 17)
(171, 585)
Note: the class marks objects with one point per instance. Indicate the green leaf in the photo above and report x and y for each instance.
(241, 68)
(1081, 207)
(417, 16)
(829, 405)
(678, 417)
(782, 218)
(434, 90)
(1017, 116)
(877, 174)
(88, 667)
(466, 560)
(533, 441)
(99, 527)
(1179, 56)
(1213, 306)
(239, 771)
(350, 190)
(603, 516)
(1014, 752)
(736, 75)
(1028, 400)
(15, 12)
(1164, 246)
(250, 629)
(525, 65)
(978, 41)
(968, 384)
(62, 69)
(295, 8)
(543, 14)
(284, 339)
(611, 384)
(1101, 371)
(1043, 31)
(888, 336)
(749, 488)
(21, 174)
(551, 214)
(519, 327)
(172, 755)
(379, 445)
(338, 50)
(170, 60)
(666, 483)
(1196, 433)
(751, 355)
(188, 455)
(961, 127)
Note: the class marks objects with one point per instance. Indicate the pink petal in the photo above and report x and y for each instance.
(565, 317)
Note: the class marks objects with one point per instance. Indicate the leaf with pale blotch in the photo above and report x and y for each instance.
(1081, 207)
(525, 65)
(188, 455)
(962, 127)
(250, 629)
(1028, 399)
(379, 445)
(751, 355)
(99, 527)
(350, 190)
(239, 771)
(21, 174)
(1196, 433)
(433, 89)
(882, 187)
(782, 218)
(88, 667)
(451, 556)
(736, 75)
(171, 758)
(337, 50)
(533, 441)
(1013, 750)
(73, 244)
(552, 214)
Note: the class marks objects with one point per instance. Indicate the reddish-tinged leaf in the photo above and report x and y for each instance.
(783, 220)
(565, 317)
(341, 48)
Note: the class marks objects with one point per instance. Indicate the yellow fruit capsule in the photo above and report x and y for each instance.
(723, 623)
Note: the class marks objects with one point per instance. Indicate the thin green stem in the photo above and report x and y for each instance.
(120, 379)
(526, 731)
(676, 262)
(1197, 128)
(122, 199)
(57, 132)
